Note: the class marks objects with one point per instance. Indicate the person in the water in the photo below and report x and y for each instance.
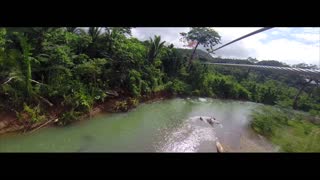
(214, 120)
(210, 121)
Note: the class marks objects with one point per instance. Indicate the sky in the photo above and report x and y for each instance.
(288, 45)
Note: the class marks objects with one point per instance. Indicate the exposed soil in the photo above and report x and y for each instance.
(9, 122)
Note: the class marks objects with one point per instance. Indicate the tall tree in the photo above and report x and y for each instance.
(26, 54)
(120, 30)
(94, 32)
(201, 36)
(22, 41)
(76, 30)
(154, 48)
(296, 98)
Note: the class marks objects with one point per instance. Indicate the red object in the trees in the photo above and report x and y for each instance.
(192, 44)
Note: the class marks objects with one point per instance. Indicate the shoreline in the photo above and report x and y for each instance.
(9, 124)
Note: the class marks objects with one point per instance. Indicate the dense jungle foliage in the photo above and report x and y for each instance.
(74, 69)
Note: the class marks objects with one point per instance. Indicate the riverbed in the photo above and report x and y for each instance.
(165, 126)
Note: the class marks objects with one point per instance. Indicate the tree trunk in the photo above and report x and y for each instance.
(29, 76)
(26, 48)
(194, 51)
(295, 102)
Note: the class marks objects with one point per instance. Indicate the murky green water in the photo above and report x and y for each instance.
(166, 126)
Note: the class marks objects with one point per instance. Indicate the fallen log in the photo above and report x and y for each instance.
(112, 93)
(45, 100)
(8, 80)
(36, 82)
(55, 120)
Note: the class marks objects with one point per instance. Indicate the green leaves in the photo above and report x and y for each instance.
(154, 48)
(118, 30)
(32, 114)
(74, 67)
(3, 33)
(68, 117)
(135, 83)
(223, 86)
(290, 130)
(202, 35)
(77, 97)
(94, 32)
(91, 67)
(177, 87)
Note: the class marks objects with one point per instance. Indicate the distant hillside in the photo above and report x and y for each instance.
(272, 63)
(232, 61)
(200, 54)
(250, 62)
(204, 56)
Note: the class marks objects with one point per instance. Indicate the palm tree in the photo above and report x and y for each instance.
(75, 30)
(155, 47)
(21, 59)
(26, 54)
(120, 30)
(94, 32)
(34, 35)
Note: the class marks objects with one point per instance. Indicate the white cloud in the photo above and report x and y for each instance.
(236, 50)
(170, 35)
(228, 34)
(287, 50)
(312, 30)
(313, 38)
(285, 30)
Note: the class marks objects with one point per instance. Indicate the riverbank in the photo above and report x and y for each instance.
(292, 131)
(9, 123)
(168, 125)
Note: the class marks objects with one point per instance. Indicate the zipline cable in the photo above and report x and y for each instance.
(242, 37)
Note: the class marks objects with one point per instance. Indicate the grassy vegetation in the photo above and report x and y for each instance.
(291, 130)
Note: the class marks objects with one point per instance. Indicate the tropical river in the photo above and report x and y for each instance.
(164, 126)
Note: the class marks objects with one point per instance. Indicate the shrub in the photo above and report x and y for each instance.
(32, 114)
(68, 117)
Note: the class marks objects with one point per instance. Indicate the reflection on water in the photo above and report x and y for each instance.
(166, 126)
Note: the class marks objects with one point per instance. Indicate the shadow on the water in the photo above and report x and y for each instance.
(85, 147)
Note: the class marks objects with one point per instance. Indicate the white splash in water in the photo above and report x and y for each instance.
(202, 99)
(188, 137)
